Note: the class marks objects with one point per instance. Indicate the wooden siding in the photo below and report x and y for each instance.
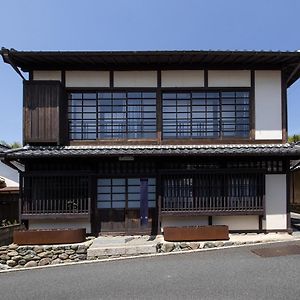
(44, 112)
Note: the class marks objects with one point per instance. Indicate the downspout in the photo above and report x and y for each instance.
(7, 59)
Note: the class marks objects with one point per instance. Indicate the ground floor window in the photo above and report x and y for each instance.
(55, 194)
(213, 192)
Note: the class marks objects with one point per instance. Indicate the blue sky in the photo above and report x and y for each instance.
(142, 25)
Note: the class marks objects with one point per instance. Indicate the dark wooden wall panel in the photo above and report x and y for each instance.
(43, 101)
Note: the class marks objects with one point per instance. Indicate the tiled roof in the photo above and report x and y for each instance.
(156, 150)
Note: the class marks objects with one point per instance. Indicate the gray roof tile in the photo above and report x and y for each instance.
(156, 150)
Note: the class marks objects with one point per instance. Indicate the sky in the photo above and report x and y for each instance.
(142, 25)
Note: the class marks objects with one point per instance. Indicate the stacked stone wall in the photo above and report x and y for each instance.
(14, 256)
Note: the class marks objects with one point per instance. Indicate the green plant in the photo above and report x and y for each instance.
(294, 138)
(12, 145)
(8, 223)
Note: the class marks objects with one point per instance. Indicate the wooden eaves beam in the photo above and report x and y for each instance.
(7, 59)
(293, 73)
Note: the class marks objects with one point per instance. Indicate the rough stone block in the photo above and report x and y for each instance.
(30, 264)
(12, 253)
(11, 263)
(44, 261)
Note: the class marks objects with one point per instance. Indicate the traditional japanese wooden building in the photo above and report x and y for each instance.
(130, 142)
(9, 189)
(295, 187)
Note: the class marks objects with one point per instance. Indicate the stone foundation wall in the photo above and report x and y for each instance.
(14, 256)
(165, 247)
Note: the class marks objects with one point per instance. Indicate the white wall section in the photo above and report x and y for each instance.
(135, 79)
(182, 78)
(229, 78)
(47, 75)
(11, 175)
(60, 224)
(268, 124)
(237, 222)
(87, 79)
(183, 221)
(276, 214)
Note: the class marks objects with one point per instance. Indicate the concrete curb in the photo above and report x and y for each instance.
(147, 256)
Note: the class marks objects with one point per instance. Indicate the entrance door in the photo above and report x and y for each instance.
(127, 205)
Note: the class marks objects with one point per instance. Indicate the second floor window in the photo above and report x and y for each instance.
(207, 114)
(133, 115)
(112, 115)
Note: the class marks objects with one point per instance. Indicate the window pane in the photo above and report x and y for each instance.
(118, 204)
(103, 205)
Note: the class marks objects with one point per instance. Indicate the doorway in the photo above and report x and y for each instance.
(126, 205)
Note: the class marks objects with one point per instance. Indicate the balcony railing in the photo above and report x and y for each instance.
(55, 207)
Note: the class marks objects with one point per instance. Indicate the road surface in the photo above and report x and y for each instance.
(234, 273)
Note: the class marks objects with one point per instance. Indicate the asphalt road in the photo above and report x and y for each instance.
(223, 274)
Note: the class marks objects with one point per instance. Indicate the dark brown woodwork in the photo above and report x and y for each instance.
(159, 108)
(111, 79)
(284, 108)
(201, 233)
(63, 195)
(174, 142)
(206, 78)
(212, 192)
(45, 113)
(252, 106)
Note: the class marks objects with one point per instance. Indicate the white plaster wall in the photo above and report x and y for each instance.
(47, 75)
(10, 174)
(135, 79)
(268, 105)
(60, 224)
(276, 215)
(237, 222)
(229, 78)
(183, 221)
(87, 79)
(182, 78)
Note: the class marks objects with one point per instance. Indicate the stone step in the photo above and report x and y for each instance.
(120, 250)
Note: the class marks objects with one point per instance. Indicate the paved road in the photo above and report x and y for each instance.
(224, 274)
